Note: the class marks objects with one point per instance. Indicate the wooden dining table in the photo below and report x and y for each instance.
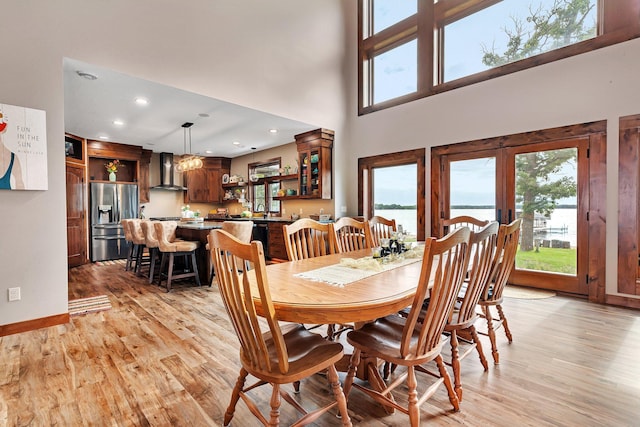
(300, 300)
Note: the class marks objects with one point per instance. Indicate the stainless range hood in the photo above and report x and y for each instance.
(167, 174)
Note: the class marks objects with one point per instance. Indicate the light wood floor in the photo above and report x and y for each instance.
(171, 359)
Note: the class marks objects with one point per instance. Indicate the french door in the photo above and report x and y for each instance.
(546, 183)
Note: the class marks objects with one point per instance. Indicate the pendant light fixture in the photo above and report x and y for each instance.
(188, 162)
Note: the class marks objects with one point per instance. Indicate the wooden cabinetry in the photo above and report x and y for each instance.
(234, 192)
(75, 148)
(134, 164)
(143, 179)
(277, 248)
(314, 157)
(204, 185)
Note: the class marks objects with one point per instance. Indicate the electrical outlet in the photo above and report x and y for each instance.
(14, 294)
(300, 211)
(343, 209)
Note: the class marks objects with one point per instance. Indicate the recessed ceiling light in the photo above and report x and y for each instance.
(142, 101)
(236, 143)
(208, 151)
(273, 130)
(103, 137)
(118, 122)
(203, 115)
(86, 75)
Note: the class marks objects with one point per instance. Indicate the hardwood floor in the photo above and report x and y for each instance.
(163, 359)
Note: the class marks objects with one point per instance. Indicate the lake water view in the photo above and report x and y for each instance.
(560, 218)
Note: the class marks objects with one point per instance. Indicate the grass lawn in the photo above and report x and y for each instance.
(548, 259)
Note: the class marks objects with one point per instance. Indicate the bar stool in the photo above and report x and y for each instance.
(129, 239)
(139, 244)
(169, 245)
(151, 241)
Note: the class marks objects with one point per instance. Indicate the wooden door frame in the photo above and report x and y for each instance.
(595, 132)
(365, 182)
(554, 280)
(83, 220)
(628, 212)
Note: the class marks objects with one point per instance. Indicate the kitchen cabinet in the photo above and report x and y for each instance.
(277, 249)
(204, 185)
(143, 181)
(315, 164)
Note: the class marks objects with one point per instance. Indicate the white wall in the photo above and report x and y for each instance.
(281, 56)
(600, 85)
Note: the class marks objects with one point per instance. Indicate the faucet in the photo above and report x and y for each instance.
(258, 207)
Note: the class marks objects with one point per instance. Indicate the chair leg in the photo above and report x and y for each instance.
(455, 363)
(492, 334)
(351, 373)
(503, 320)
(476, 340)
(194, 264)
(274, 415)
(163, 263)
(413, 408)
(235, 395)
(139, 258)
(129, 257)
(453, 398)
(170, 271)
(334, 382)
(153, 253)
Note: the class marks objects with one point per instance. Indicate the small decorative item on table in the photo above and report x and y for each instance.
(112, 168)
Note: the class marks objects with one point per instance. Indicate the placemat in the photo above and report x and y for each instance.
(350, 270)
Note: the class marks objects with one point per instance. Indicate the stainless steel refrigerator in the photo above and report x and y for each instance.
(111, 203)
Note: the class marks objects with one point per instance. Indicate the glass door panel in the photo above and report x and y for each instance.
(394, 195)
(472, 190)
(550, 192)
(546, 200)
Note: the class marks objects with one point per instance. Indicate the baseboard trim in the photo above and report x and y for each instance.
(32, 325)
(623, 301)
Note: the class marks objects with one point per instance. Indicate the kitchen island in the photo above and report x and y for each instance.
(267, 230)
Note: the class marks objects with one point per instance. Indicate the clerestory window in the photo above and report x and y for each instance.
(410, 49)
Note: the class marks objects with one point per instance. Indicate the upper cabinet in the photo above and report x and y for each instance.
(204, 185)
(133, 164)
(75, 149)
(314, 157)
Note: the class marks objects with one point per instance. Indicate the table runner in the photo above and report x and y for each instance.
(351, 270)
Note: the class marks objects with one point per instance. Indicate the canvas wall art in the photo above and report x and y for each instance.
(23, 148)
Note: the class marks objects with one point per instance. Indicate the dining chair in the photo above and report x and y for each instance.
(450, 224)
(461, 327)
(170, 247)
(308, 238)
(381, 228)
(268, 353)
(407, 341)
(502, 265)
(351, 235)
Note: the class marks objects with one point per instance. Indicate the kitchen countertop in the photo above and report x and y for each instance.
(202, 225)
(258, 219)
(216, 222)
